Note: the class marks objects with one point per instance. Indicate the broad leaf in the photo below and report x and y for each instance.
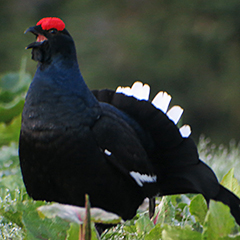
(155, 233)
(231, 183)
(165, 211)
(178, 233)
(15, 82)
(144, 225)
(9, 161)
(219, 222)
(77, 214)
(12, 109)
(10, 132)
(198, 208)
(39, 228)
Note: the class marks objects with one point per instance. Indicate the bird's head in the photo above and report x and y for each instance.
(52, 40)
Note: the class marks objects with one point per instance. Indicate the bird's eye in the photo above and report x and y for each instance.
(53, 31)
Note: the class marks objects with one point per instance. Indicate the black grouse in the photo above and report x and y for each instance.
(116, 146)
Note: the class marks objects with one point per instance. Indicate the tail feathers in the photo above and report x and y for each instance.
(198, 178)
(230, 199)
(175, 157)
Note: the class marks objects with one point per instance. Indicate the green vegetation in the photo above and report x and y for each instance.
(178, 217)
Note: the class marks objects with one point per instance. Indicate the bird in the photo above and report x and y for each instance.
(117, 146)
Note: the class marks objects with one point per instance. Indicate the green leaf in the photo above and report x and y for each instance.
(237, 237)
(94, 234)
(39, 228)
(155, 233)
(9, 161)
(77, 214)
(165, 211)
(231, 183)
(15, 82)
(12, 182)
(67, 212)
(12, 91)
(219, 222)
(178, 233)
(130, 227)
(12, 216)
(198, 208)
(182, 205)
(101, 216)
(10, 132)
(144, 225)
(11, 109)
(73, 231)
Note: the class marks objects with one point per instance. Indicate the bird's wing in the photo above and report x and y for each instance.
(121, 147)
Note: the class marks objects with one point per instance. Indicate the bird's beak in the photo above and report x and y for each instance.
(40, 37)
(32, 30)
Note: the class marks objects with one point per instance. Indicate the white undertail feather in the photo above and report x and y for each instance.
(138, 90)
(161, 101)
(185, 131)
(175, 113)
(124, 90)
(143, 178)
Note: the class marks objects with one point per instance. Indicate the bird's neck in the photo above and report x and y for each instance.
(59, 89)
(63, 75)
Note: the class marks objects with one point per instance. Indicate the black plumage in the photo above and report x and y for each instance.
(117, 148)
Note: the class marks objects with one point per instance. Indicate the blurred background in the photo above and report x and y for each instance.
(191, 49)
